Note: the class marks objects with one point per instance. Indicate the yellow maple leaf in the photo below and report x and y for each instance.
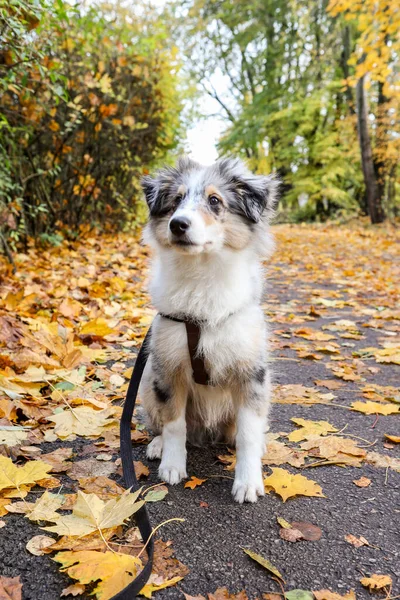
(98, 327)
(44, 509)
(194, 482)
(372, 408)
(393, 438)
(12, 477)
(115, 571)
(83, 420)
(150, 587)
(90, 513)
(309, 429)
(335, 448)
(287, 485)
(376, 581)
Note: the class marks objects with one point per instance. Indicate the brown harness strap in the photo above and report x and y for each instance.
(193, 332)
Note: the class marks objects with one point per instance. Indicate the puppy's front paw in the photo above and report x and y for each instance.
(154, 449)
(172, 474)
(247, 491)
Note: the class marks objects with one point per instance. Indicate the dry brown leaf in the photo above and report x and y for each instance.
(355, 541)
(141, 470)
(328, 595)
(362, 482)
(310, 532)
(91, 468)
(103, 487)
(376, 581)
(383, 460)
(10, 588)
(38, 544)
(76, 589)
(278, 454)
(330, 384)
(291, 534)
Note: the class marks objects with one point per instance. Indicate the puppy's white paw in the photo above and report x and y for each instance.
(154, 449)
(172, 474)
(247, 491)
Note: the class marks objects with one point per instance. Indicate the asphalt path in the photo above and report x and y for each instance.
(210, 541)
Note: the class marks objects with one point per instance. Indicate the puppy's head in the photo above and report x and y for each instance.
(196, 209)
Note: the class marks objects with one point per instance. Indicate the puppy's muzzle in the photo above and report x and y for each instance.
(179, 226)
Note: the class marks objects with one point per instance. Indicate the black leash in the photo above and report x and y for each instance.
(141, 516)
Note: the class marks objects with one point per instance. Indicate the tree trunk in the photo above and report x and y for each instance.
(374, 198)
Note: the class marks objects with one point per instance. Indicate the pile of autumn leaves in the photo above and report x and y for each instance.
(69, 318)
(60, 322)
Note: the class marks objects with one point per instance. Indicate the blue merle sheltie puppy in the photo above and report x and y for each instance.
(209, 229)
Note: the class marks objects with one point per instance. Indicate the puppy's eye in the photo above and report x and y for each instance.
(178, 199)
(213, 200)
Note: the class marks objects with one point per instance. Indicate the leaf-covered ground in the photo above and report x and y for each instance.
(71, 320)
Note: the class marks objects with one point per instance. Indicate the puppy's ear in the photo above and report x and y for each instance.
(150, 188)
(255, 195)
(160, 189)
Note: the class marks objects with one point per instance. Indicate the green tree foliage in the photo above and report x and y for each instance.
(88, 103)
(289, 103)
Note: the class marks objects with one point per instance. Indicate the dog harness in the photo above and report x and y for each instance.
(193, 332)
(141, 517)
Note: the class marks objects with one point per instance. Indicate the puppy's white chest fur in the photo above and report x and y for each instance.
(207, 287)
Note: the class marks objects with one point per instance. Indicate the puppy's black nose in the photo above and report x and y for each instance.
(179, 225)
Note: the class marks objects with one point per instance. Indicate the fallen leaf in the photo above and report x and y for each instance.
(194, 482)
(76, 589)
(12, 476)
(383, 460)
(45, 507)
(277, 453)
(90, 513)
(376, 581)
(263, 562)
(91, 468)
(310, 532)
(328, 595)
(283, 523)
(93, 541)
(141, 470)
(10, 588)
(335, 449)
(156, 494)
(355, 541)
(12, 436)
(330, 384)
(287, 485)
(372, 408)
(38, 543)
(362, 482)
(298, 595)
(309, 429)
(393, 438)
(291, 534)
(83, 421)
(104, 487)
(111, 570)
(149, 588)
(98, 328)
